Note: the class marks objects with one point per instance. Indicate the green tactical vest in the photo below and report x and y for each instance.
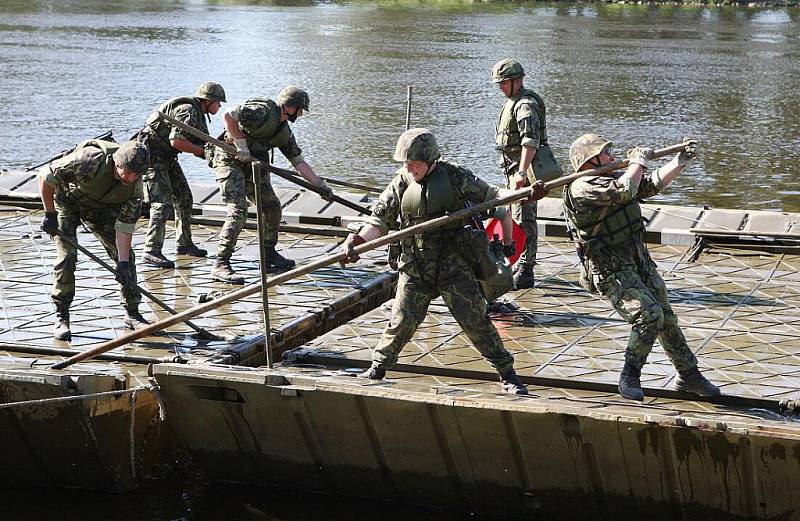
(507, 136)
(606, 227)
(272, 133)
(158, 129)
(103, 190)
(433, 197)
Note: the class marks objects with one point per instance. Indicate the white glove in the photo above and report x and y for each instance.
(242, 152)
(687, 155)
(640, 156)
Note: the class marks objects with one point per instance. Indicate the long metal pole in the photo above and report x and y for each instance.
(330, 259)
(259, 179)
(409, 94)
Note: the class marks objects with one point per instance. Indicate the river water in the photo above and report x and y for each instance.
(640, 75)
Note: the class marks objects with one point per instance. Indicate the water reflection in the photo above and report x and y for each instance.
(637, 74)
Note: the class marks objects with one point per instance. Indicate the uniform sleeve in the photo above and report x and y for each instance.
(130, 211)
(386, 211)
(185, 114)
(291, 151)
(75, 167)
(473, 188)
(602, 191)
(527, 117)
(650, 185)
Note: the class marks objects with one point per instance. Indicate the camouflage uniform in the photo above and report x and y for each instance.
(521, 124)
(608, 220)
(431, 264)
(86, 192)
(165, 185)
(259, 120)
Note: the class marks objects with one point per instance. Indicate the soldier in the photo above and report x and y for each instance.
(606, 218)
(256, 127)
(433, 263)
(97, 184)
(164, 182)
(519, 132)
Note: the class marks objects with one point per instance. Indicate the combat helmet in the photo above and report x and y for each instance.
(416, 144)
(293, 97)
(586, 147)
(507, 69)
(210, 91)
(132, 155)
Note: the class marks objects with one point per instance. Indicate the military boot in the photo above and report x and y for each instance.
(511, 383)
(192, 250)
(223, 272)
(278, 261)
(157, 259)
(692, 381)
(630, 386)
(61, 327)
(134, 320)
(523, 277)
(375, 372)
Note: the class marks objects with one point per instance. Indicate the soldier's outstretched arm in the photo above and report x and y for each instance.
(305, 170)
(47, 193)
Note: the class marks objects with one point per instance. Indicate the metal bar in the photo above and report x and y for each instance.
(133, 359)
(259, 182)
(409, 93)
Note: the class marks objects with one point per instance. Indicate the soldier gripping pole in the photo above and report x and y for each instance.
(337, 257)
(289, 176)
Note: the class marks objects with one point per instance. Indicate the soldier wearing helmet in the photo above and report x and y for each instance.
(604, 215)
(165, 184)
(432, 263)
(256, 127)
(98, 184)
(519, 132)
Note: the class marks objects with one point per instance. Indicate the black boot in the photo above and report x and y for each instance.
(192, 250)
(375, 372)
(134, 320)
(278, 261)
(629, 385)
(523, 277)
(692, 381)
(157, 259)
(61, 327)
(224, 273)
(510, 382)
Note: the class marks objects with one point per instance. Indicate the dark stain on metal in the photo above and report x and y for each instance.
(774, 451)
(721, 451)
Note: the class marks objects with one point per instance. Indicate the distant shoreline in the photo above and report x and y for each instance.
(697, 3)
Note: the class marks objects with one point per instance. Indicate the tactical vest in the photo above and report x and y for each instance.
(507, 136)
(272, 133)
(606, 228)
(157, 129)
(104, 189)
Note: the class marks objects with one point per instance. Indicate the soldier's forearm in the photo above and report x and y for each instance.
(232, 126)
(526, 158)
(184, 145)
(305, 170)
(47, 194)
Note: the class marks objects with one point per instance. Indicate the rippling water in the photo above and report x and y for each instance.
(637, 74)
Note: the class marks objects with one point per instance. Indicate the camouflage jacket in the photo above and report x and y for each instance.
(159, 132)
(520, 124)
(85, 179)
(259, 120)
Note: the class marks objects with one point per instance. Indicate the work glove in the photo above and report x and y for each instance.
(124, 275)
(353, 240)
(640, 156)
(50, 223)
(326, 192)
(538, 190)
(242, 151)
(687, 155)
(509, 249)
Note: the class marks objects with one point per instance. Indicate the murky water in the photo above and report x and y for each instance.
(638, 74)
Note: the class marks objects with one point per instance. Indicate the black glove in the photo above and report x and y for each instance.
(509, 249)
(50, 223)
(124, 275)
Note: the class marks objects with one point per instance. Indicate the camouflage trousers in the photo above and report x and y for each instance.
(461, 293)
(236, 184)
(640, 296)
(101, 223)
(165, 188)
(524, 214)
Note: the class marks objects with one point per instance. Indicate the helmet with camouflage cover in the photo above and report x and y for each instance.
(210, 91)
(133, 156)
(586, 147)
(416, 144)
(507, 70)
(293, 97)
